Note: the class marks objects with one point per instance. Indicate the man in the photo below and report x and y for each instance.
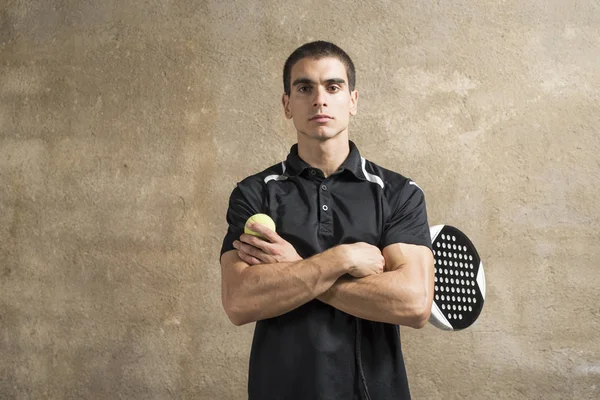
(350, 260)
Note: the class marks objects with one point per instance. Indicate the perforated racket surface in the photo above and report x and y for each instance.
(459, 291)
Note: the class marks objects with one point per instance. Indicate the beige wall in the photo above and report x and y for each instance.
(124, 126)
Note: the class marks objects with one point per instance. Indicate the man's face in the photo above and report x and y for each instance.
(320, 102)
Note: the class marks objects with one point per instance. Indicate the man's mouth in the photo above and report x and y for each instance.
(321, 118)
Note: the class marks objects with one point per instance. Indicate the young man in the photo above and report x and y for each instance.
(350, 260)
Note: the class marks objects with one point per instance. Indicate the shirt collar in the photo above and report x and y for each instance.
(353, 163)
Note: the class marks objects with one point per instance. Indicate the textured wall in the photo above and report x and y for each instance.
(124, 126)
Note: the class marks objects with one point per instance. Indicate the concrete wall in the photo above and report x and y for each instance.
(124, 126)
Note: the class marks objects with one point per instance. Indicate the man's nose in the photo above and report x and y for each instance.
(320, 97)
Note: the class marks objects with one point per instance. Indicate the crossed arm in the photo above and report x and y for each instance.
(264, 279)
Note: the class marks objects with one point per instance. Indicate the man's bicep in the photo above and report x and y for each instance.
(413, 266)
(404, 255)
(232, 268)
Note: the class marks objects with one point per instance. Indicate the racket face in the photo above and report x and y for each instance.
(459, 291)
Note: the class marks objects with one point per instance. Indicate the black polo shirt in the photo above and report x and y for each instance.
(311, 351)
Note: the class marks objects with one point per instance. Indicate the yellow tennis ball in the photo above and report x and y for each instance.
(262, 219)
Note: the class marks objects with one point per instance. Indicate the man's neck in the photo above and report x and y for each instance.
(325, 155)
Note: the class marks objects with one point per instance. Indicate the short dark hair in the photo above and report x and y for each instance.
(317, 50)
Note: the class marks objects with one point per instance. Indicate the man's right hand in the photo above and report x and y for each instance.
(366, 259)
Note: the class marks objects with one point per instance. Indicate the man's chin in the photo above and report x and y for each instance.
(321, 134)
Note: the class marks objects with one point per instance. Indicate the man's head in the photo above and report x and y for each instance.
(319, 92)
(317, 50)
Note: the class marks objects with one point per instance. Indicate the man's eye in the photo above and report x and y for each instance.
(304, 89)
(334, 88)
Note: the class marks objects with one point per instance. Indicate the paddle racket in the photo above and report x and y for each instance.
(459, 290)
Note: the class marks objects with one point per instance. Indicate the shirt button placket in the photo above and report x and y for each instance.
(325, 203)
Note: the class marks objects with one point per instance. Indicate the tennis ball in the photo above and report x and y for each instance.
(262, 219)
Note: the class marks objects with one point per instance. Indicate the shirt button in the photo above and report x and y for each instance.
(313, 172)
(323, 187)
(325, 208)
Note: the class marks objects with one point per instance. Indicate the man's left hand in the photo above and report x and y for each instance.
(270, 250)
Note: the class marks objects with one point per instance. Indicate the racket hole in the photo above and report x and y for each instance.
(454, 316)
(471, 258)
(443, 236)
(464, 300)
(444, 254)
(444, 245)
(438, 244)
(454, 238)
(460, 256)
(459, 316)
(454, 247)
(474, 300)
(470, 308)
(469, 299)
(455, 255)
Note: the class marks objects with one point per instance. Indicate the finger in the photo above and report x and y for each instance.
(253, 252)
(266, 232)
(256, 242)
(248, 249)
(248, 258)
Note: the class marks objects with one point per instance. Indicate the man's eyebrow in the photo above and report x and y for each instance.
(336, 80)
(307, 81)
(300, 81)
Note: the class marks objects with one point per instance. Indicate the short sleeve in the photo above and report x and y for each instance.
(407, 222)
(244, 202)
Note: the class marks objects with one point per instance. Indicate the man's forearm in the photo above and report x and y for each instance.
(269, 290)
(385, 297)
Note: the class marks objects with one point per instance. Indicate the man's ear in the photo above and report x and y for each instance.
(285, 100)
(353, 102)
